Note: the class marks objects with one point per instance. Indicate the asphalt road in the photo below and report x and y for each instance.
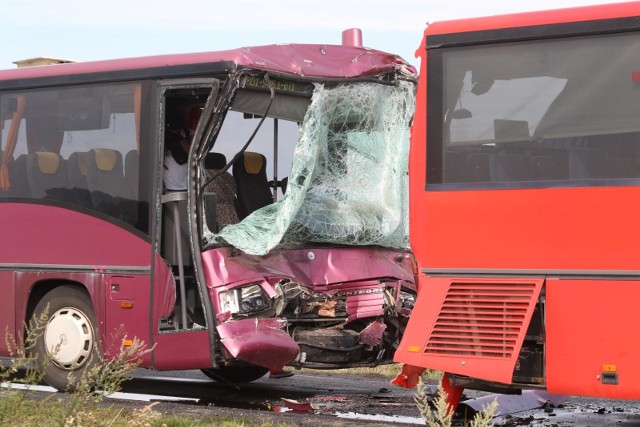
(331, 399)
(337, 400)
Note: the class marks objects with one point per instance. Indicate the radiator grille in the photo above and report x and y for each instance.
(481, 319)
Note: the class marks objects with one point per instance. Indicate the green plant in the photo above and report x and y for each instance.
(443, 416)
(24, 368)
(102, 379)
(81, 406)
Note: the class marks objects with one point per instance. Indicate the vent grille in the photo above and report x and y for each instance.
(481, 319)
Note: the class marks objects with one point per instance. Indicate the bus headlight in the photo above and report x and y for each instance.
(228, 302)
(244, 300)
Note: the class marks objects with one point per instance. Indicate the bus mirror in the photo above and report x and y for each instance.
(210, 212)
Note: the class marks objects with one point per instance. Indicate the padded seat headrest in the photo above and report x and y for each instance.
(253, 162)
(81, 158)
(48, 163)
(215, 161)
(105, 159)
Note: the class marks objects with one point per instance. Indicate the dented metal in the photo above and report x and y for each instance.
(258, 341)
(343, 308)
(330, 260)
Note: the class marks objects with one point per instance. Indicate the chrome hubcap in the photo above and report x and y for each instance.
(69, 338)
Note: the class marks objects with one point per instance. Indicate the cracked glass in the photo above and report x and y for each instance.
(348, 183)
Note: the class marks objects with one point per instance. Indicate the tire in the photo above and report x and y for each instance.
(236, 374)
(71, 328)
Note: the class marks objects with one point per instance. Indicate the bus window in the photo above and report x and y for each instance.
(541, 118)
(236, 130)
(344, 157)
(72, 146)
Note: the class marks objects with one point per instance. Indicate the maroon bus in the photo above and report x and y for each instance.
(287, 246)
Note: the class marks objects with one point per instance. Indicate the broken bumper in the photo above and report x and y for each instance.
(261, 342)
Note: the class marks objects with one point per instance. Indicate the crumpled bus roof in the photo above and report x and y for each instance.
(307, 60)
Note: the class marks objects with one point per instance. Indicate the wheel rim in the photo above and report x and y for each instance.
(69, 338)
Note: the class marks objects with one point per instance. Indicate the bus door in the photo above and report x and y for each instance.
(181, 106)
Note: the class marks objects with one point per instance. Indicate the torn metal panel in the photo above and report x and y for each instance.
(365, 305)
(372, 334)
(340, 305)
(261, 342)
(409, 376)
(298, 59)
(509, 403)
(325, 270)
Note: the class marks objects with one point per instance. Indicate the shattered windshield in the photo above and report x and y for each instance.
(348, 181)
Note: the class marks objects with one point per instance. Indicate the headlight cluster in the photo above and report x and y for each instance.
(407, 299)
(244, 300)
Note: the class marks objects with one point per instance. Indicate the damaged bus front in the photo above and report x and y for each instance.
(236, 211)
(306, 262)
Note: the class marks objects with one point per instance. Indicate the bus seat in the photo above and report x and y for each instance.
(109, 191)
(77, 177)
(586, 163)
(223, 186)
(47, 176)
(546, 167)
(18, 177)
(215, 161)
(509, 167)
(132, 171)
(478, 167)
(77, 170)
(455, 166)
(252, 186)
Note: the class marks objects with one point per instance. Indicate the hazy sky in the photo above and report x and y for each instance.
(84, 30)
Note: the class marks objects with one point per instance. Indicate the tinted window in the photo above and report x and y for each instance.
(77, 146)
(528, 113)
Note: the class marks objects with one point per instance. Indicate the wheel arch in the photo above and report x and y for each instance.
(42, 288)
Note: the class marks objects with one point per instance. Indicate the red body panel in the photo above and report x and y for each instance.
(591, 332)
(557, 16)
(474, 327)
(540, 229)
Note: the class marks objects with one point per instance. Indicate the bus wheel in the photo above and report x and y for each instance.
(68, 346)
(236, 374)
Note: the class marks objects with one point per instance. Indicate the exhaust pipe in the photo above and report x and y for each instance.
(352, 37)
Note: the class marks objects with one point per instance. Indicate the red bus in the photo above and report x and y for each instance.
(524, 168)
(288, 244)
